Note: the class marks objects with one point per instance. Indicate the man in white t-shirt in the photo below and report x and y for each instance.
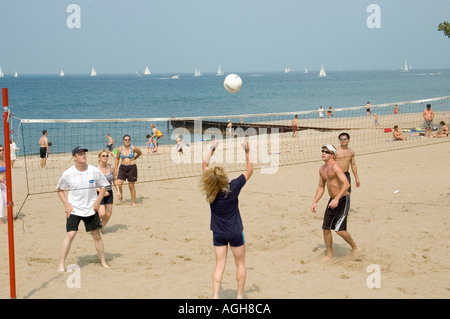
(82, 202)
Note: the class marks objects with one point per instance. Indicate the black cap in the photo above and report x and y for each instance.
(77, 150)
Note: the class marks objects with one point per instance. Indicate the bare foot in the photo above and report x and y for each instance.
(105, 265)
(61, 268)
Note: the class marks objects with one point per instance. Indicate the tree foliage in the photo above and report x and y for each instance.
(445, 27)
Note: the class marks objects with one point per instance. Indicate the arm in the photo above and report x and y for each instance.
(67, 207)
(208, 155)
(344, 187)
(249, 169)
(355, 170)
(319, 192)
(116, 162)
(138, 152)
(100, 196)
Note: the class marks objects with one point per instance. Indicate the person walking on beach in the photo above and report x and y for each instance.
(44, 150)
(345, 157)
(128, 154)
(229, 128)
(2, 183)
(295, 125)
(111, 145)
(335, 218)
(81, 181)
(13, 149)
(396, 109)
(321, 110)
(109, 171)
(368, 109)
(226, 223)
(155, 137)
(428, 116)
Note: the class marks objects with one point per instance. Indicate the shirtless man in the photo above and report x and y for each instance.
(44, 150)
(345, 157)
(332, 175)
(295, 125)
(428, 116)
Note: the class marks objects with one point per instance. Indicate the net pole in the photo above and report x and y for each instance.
(7, 156)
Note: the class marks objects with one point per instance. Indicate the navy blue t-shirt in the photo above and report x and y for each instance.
(225, 215)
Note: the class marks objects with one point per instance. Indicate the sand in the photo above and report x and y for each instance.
(163, 247)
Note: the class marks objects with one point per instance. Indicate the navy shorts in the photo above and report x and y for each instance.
(91, 223)
(235, 240)
(107, 199)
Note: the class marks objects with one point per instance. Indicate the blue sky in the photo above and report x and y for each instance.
(177, 36)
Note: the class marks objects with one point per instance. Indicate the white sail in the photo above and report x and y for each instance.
(1, 73)
(93, 73)
(197, 72)
(219, 71)
(405, 67)
(147, 71)
(61, 73)
(306, 70)
(322, 73)
(287, 70)
(16, 75)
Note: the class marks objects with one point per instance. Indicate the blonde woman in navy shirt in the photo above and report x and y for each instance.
(226, 222)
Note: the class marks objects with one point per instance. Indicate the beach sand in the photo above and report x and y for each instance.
(163, 247)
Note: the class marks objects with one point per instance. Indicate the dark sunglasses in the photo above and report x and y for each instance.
(105, 155)
(328, 152)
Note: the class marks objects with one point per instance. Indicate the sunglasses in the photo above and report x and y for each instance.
(327, 152)
(343, 139)
(105, 155)
(127, 139)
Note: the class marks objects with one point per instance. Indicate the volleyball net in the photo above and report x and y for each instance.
(184, 141)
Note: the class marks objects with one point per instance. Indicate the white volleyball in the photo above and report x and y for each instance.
(232, 83)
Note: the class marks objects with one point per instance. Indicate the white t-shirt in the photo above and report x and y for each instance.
(82, 187)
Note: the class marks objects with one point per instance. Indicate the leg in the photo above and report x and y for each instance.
(241, 271)
(98, 242)
(348, 238)
(133, 193)
(107, 216)
(65, 249)
(119, 183)
(328, 238)
(221, 260)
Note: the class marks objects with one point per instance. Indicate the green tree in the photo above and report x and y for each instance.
(445, 27)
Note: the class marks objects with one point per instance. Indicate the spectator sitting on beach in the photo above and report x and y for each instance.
(443, 132)
(398, 135)
(376, 119)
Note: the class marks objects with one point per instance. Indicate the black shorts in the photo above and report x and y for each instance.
(128, 172)
(43, 152)
(107, 199)
(235, 240)
(90, 222)
(336, 219)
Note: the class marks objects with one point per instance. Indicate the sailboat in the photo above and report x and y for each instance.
(219, 71)
(405, 66)
(147, 71)
(93, 73)
(197, 72)
(322, 73)
(287, 70)
(1, 73)
(16, 75)
(61, 73)
(306, 70)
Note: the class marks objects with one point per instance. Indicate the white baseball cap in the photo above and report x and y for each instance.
(330, 147)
